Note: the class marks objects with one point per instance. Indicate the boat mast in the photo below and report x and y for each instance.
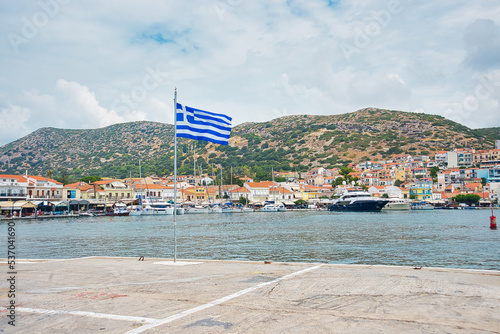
(140, 180)
(194, 157)
(272, 175)
(213, 181)
(175, 174)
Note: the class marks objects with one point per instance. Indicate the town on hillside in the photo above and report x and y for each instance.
(461, 177)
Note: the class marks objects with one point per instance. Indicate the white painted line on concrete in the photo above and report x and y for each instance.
(177, 263)
(87, 314)
(217, 302)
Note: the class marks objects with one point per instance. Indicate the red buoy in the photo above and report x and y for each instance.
(493, 221)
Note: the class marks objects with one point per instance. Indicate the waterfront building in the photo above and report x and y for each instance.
(377, 191)
(153, 191)
(422, 190)
(43, 188)
(311, 193)
(280, 193)
(115, 190)
(259, 191)
(92, 191)
(235, 194)
(13, 187)
(73, 190)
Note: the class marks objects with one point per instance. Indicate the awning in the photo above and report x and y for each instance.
(17, 205)
(96, 202)
(59, 204)
(6, 205)
(79, 202)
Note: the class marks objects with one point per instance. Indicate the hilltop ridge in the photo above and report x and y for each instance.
(295, 142)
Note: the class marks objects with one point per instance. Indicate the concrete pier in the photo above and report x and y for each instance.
(125, 295)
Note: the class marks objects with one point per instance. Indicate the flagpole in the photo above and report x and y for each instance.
(175, 174)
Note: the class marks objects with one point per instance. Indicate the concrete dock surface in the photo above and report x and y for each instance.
(125, 295)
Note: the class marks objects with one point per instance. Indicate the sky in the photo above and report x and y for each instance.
(77, 64)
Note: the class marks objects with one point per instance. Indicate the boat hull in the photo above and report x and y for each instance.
(397, 206)
(196, 211)
(268, 209)
(422, 207)
(117, 214)
(154, 211)
(362, 206)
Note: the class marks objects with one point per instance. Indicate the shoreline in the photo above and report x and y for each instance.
(46, 217)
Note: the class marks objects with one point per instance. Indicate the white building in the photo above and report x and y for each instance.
(13, 186)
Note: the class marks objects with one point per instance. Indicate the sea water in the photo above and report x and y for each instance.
(434, 238)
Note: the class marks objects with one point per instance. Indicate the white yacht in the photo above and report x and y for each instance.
(197, 209)
(422, 206)
(157, 208)
(358, 201)
(397, 204)
(246, 209)
(216, 209)
(135, 211)
(269, 208)
(281, 207)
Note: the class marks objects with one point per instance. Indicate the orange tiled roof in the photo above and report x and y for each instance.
(262, 184)
(43, 178)
(19, 178)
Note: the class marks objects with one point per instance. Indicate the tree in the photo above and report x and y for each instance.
(243, 200)
(469, 199)
(300, 203)
(90, 179)
(50, 172)
(483, 184)
(64, 178)
(434, 171)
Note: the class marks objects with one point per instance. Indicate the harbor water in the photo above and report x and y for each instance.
(433, 238)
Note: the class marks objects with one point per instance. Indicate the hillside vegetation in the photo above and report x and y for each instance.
(296, 142)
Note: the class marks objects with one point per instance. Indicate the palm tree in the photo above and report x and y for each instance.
(50, 172)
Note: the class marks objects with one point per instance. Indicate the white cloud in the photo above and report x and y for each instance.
(87, 66)
(85, 105)
(13, 122)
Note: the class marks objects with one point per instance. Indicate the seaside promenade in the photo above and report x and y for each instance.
(124, 295)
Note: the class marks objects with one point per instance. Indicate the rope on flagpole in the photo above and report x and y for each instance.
(175, 174)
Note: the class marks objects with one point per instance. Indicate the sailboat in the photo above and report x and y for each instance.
(246, 209)
(196, 209)
(272, 206)
(213, 207)
(157, 206)
(228, 208)
(137, 210)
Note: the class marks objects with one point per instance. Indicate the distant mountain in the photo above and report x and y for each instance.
(296, 142)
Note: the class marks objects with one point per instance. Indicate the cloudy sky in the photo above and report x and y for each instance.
(88, 64)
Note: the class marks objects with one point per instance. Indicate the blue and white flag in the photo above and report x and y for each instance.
(202, 125)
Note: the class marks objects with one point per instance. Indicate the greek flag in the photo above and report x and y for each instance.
(202, 125)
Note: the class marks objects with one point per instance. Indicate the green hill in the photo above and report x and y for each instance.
(296, 142)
